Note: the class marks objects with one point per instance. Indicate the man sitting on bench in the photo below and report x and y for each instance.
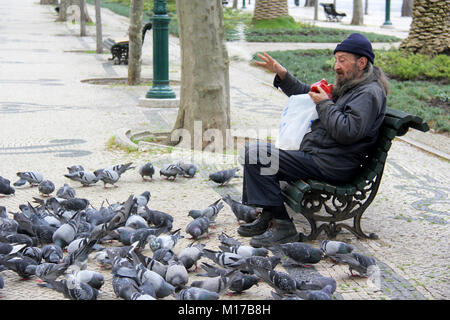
(332, 151)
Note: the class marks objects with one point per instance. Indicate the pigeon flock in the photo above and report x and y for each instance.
(50, 239)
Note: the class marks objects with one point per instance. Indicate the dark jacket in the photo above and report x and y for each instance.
(347, 126)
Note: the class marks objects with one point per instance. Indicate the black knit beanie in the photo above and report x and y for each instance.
(358, 44)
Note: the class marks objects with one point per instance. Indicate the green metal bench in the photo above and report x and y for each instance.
(348, 201)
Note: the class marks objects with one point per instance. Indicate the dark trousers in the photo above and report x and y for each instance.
(265, 166)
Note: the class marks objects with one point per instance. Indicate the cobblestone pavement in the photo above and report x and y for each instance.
(51, 119)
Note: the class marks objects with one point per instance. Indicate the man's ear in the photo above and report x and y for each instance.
(362, 63)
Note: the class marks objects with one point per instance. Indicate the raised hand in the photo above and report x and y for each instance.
(271, 64)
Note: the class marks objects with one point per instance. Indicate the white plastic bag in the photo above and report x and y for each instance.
(296, 120)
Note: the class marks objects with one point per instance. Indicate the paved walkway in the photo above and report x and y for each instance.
(51, 119)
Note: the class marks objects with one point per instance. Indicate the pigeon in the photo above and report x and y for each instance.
(330, 247)
(322, 294)
(25, 225)
(66, 192)
(147, 170)
(32, 177)
(46, 187)
(224, 259)
(194, 293)
(8, 248)
(212, 271)
(228, 240)
(176, 274)
(171, 171)
(159, 219)
(163, 255)
(124, 287)
(356, 261)
(162, 287)
(121, 216)
(217, 284)
(92, 278)
(189, 169)
(317, 283)
(256, 264)
(198, 228)
(5, 187)
(66, 233)
(74, 204)
(190, 255)
(108, 176)
(210, 212)
(136, 222)
(223, 176)
(121, 168)
(7, 224)
(72, 288)
(297, 253)
(245, 251)
(52, 253)
(142, 235)
(75, 168)
(152, 264)
(276, 296)
(243, 282)
(141, 201)
(241, 211)
(23, 266)
(282, 282)
(85, 177)
(166, 241)
(51, 271)
(33, 253)
(19, 238)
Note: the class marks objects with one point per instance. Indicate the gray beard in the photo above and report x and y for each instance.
(341, 87)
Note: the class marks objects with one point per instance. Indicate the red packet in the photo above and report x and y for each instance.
(328, 88)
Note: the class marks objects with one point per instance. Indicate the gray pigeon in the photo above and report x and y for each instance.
(276, 296)
(355, 261)
(194, 293)
(223, 176)
(163, 255)
(210, 212)
(23, 266)
(330, 247)
(256, 264)
(72, 288)
(176, 274)
(121, 216)
(190, 255)
(224, 259)
(243, 282)
(136, 222)
(171, 171)
(217, 284)
(92, 278)
(165, 241)
(85, 177)
(151, 264)
(147, 170)
(245, 251)
(241, 211)
(32, 177)
(322, 294)
(159, 219)
(5, 187)
(189, 169)
(198, 228)
(34, 253)
(66, 192)
(297, 253)
(212, 271)
(141, 201)
(162, 287)
(8, 248)
(228, 240)
(75, 168)
(317, 283)
(282, 282)
(51, 271)
(52, 253)
(108, 176)
(119, 168)
(66, 233)
(46, 187)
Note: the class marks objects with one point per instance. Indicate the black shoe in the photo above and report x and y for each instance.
(281, 231)
(259, 226)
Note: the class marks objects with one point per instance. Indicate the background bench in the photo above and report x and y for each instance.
(330, 12)
(348, 201)
(119, 50)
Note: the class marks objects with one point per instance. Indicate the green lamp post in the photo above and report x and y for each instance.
(387, 21)
(243, 4)
(160, 20)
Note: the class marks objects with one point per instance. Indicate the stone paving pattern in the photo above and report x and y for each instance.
(50, 119)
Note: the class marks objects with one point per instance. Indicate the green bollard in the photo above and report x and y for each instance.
(243, 4)
(160, 20)
(387, 21)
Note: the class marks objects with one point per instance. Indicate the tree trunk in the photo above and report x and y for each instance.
(358, 13)
(366, 7)
(429, 29)
(407, 6)
(98, 25)
(205, 87)
(135, 42)
(309, 3)
(49, 2)
(82, 18)
(270, 9)
(235, 4)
